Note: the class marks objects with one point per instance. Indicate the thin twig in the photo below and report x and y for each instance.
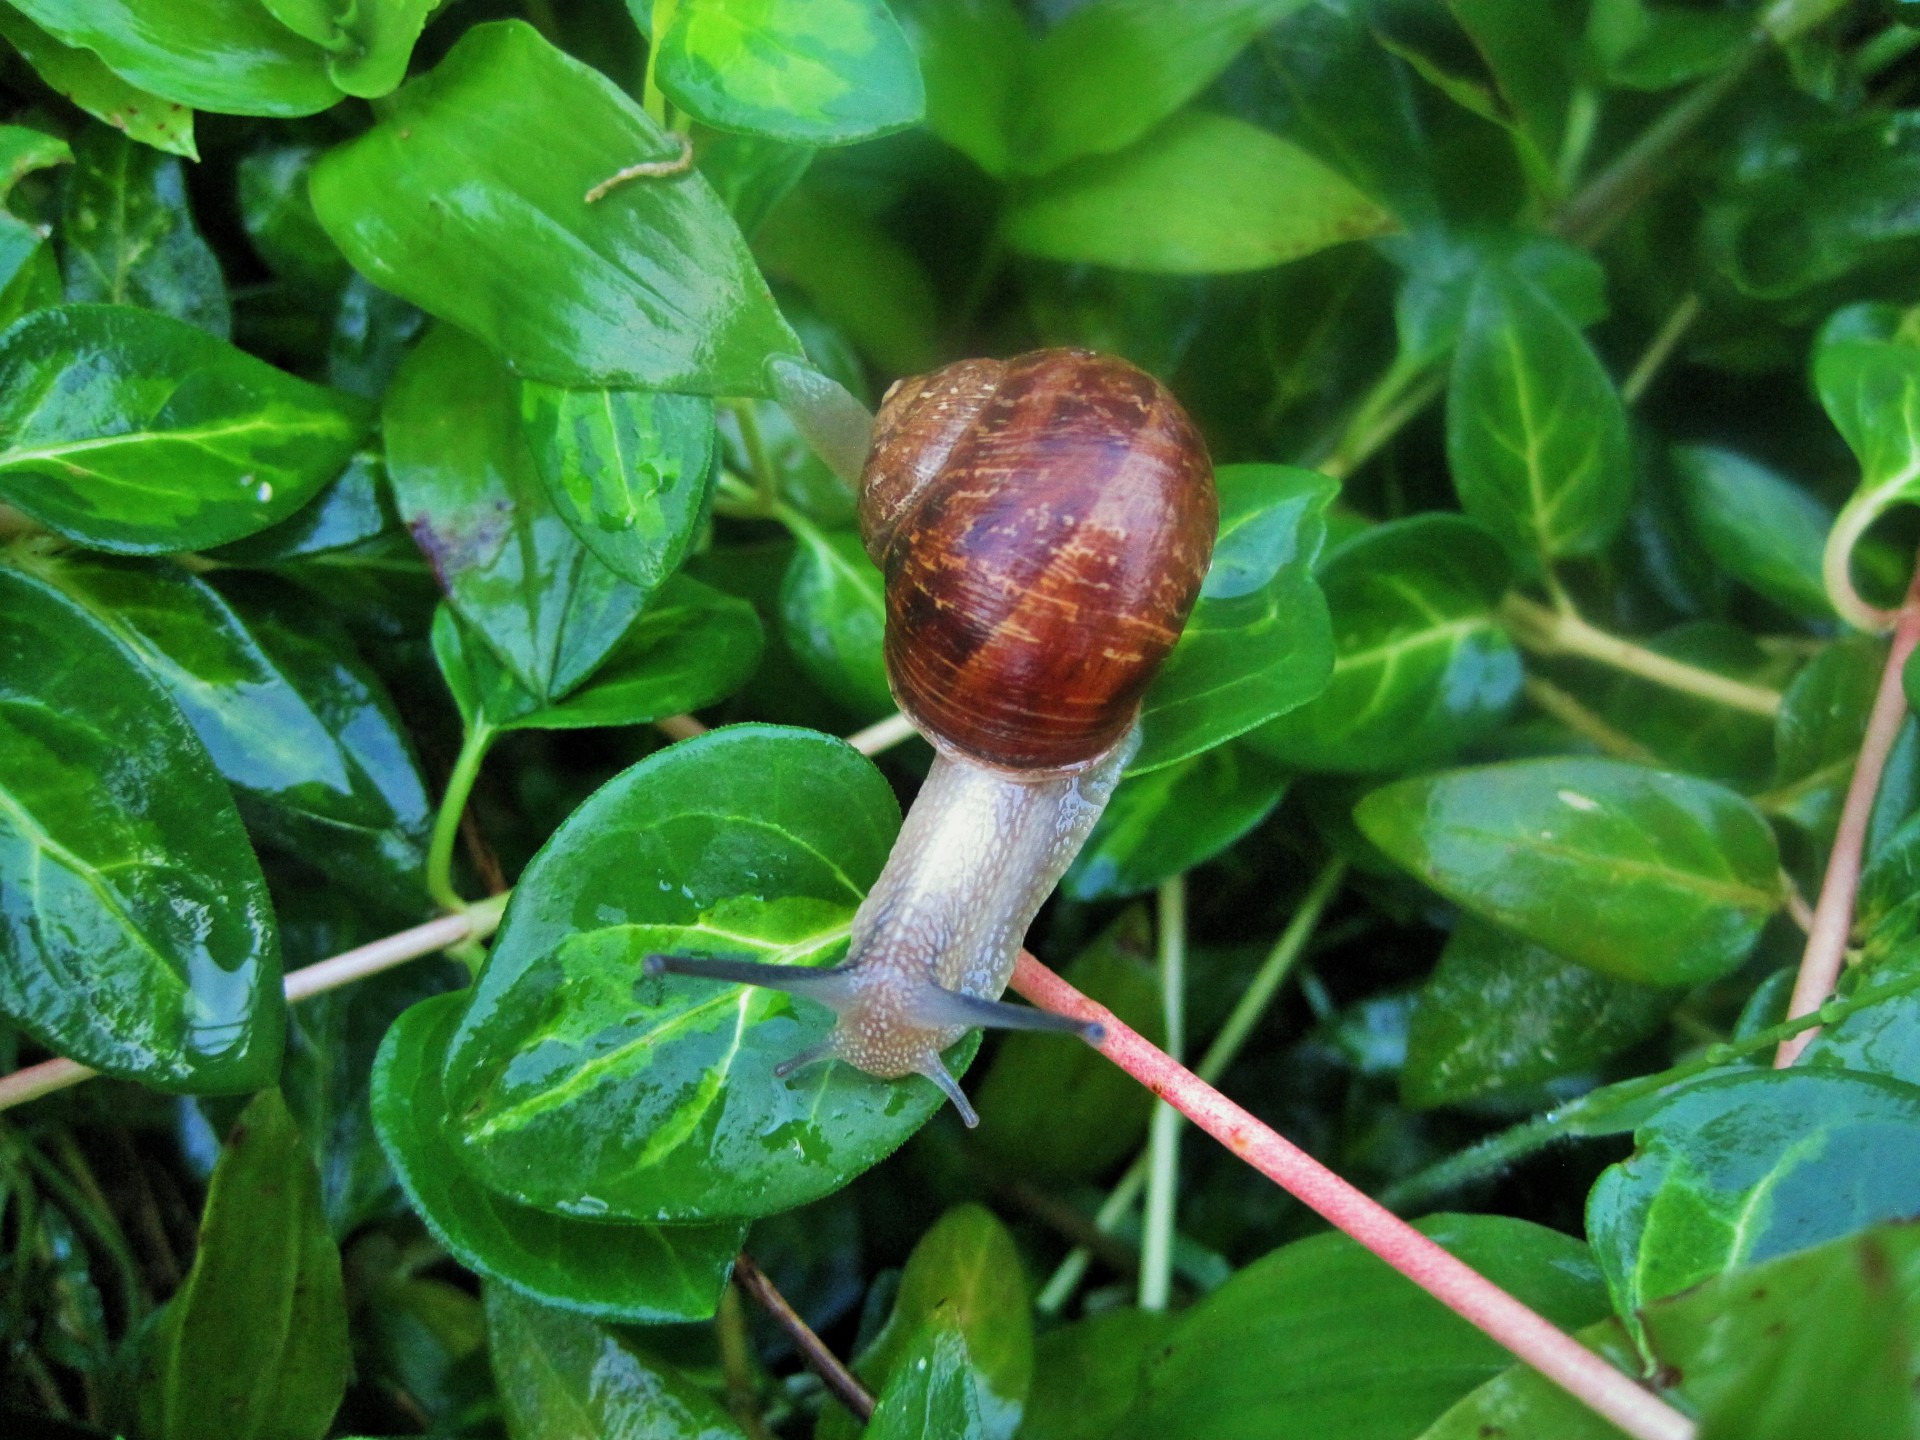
(1833, 913)
(680, 727)
(677, 164)
(1585, 722)
(1660, 349)
(475, 922)
(883, 735)
(1473, 1297)
(844, 1384)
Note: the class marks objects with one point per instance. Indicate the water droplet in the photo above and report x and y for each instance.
(264, 493)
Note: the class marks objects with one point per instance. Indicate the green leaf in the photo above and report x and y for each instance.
(1640, 874)
(1536, 434)
(1202, 195)
(142, 942)
(1421, 666)
(1053, 1112)
(83, 78)
(1521, 1401)
(1871, 390)
(575, 1091)
(1443, 274)
(1533, 60)
(826, 73)
(691, 647)
(1758, 526)
(1259, 642)
(1656, 47)
(1500, 1013)
(627, 470)
(1879, 1038)
(468, 199)
(1088, 1375)
(279, 218)
(302, 731)
(1170, 820)
(1346, 1346)
(1816, 1344)
(931, 1392)
(1112, 70)
(563, 1377)
(131, 431)
(467, 487)
(127, 236)
(255, 1342)
(349, 511)
(973, 56)
(1740, 1168)
(25, 254)
(1817, 734)
(228, 56)
(643, 1274)
(963, 1278)
(833, 614)
(1678, 731)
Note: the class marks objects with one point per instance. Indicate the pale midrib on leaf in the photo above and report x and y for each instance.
(1733, 891)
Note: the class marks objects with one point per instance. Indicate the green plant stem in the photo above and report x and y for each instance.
(1585, 723)
(766, 483)
(651, 98)
(1399, 395)
(736, 1363)
(1163, 1141)
(1221, 1053)
(1496, 1152)
(1545, 631)
(446, 824)
(1649, 161)
(1660, 349)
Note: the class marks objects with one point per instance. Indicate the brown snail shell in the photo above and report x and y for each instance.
(1044, 524)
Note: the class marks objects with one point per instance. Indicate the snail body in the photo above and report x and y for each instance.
(1043, 525)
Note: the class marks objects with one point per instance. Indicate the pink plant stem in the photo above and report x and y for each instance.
(1833, 913)
(1463, 1290)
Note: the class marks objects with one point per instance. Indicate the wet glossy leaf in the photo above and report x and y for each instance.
(833, 614)
(467, 486)
(582, 1088)
(1168, 821)
(302, 730)
(626, 469)
(690, 648)
(279, 217)
(1346, 1346)
(255, 1342)
(1260, 643)
(468, 200)
(1064, 1112)
(1809, 1345)
(645, 1274)
(1500, 1013)
(963, 1277)
(1202, 195)
(135, 432)
(1757, 525)
(83, 78)
(1536, 434)
(1521, 1401)
(128, 238)
(1641, 874)
(827, 73)
(229, 56)
(350, 510)
(563, 1377)
(141, 941)
(1088, 1375)
(931, 1392)
(1113, 69)
(1421, 667)
(1740, 1168)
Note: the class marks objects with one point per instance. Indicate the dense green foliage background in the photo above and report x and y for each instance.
(373, 475)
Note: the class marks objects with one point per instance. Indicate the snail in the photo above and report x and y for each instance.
(1043, 525)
